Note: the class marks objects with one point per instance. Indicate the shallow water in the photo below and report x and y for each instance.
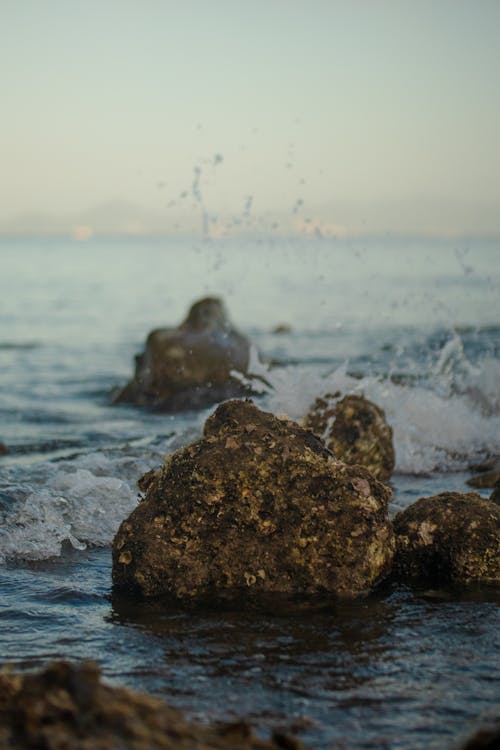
(415, 326)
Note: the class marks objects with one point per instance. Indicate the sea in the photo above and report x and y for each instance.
(412, 323)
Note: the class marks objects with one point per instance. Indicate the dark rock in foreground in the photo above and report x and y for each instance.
(451, 538)
(258, 506)
(190, 366)
(356, 430)
(67, 707)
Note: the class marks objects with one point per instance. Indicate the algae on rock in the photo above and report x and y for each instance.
(258, 506)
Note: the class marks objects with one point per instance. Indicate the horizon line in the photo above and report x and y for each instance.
(89, 236)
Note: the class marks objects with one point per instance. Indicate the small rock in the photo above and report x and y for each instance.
(3, 449)
(485, 480)
(281, 329)
(356, 430)
(190, 366)
(451, 538)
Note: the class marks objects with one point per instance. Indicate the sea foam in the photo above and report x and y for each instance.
(443, 422)
(447, 422)
(76, 507)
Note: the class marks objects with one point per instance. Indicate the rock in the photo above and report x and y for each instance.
(282, 329)
(451, 538)
(257, 507)
(3, 449)
(189, 367)
(355, 429)
(485, 480)
(495, 495)
(485, 739)
(68, 706)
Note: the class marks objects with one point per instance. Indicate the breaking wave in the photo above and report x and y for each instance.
(446, 420)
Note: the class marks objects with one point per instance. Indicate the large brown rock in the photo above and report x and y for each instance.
(68, 707)
(451, 538)
(190, 366)
(258, 506)
(356, 430)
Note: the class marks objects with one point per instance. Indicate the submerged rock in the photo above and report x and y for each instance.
(356, 430)
(190, 366)
(451, 538)
(258, 506)
(68, 706)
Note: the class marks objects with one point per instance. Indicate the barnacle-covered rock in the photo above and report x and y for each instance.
(356, 430)
(68, 706)
(190, 366)
(258, 506)
(451, 538)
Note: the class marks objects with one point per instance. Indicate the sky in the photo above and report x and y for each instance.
(332, 117)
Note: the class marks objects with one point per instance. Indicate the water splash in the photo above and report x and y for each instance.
(447, 422)
(78, 507)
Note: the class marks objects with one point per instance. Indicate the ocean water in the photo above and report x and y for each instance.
(413, 324)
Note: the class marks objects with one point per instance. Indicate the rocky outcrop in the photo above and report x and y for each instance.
(451, 538)
(68, 706)
(255, 509)
(190, 366)
(356, 430)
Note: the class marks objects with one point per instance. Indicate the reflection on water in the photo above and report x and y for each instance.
(398, 670)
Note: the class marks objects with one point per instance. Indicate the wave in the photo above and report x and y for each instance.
(444, 422)
(79, 502)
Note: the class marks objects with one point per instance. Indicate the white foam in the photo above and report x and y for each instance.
(76, 507)
(445, 422)
(434, 429)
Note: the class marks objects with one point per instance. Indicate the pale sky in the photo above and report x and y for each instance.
(216, 116)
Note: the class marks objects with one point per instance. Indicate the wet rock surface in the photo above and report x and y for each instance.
(356, 430)
(451, 538)
(190, 366)
(3, 449)
(68, 706)
(258, 506)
